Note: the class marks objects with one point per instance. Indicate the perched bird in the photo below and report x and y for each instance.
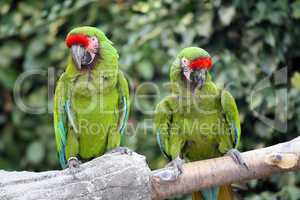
(91, 101)
(199, 120)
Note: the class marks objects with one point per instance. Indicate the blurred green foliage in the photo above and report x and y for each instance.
(249, 41)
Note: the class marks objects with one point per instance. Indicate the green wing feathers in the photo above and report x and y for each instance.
(60, 120)
(162, 122)
(168, 137)
(124, 102)
(232, 116)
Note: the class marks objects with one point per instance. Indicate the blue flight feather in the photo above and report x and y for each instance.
(210, 193)
(161, 147)
(63, 139)
(124, 117)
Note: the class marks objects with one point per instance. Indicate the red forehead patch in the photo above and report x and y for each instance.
(201, 63)
(77, 39)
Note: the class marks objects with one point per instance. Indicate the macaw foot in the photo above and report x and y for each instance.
(171, 172)
(237, 157)
(73, 163)
(177, 164)
(121, 150)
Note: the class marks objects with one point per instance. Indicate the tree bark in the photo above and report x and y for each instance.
(112, 176)
(115, 176)
(221, 171)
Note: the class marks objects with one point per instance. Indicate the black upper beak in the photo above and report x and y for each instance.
(77, 52)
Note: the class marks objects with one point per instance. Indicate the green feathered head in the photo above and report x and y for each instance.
(190, 67)
(90, 48)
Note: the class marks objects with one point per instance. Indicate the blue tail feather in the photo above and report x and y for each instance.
(210, 193)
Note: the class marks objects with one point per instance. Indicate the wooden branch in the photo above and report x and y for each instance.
(115, 176)
(111, 176)
(221, 171)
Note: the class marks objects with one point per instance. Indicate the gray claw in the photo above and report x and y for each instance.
(73, 164)
(237, 157)
(121, 150)
(177, 164)
(171, 172)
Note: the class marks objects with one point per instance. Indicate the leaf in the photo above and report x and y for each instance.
(255, 101)
(296, 80)
(226, 14)
(296, 9)
(35, 152)
(289, 192)
(145, 69)
(204, 26)
(8, 77)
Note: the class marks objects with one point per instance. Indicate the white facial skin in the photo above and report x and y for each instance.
(186, 70)
(93, 46)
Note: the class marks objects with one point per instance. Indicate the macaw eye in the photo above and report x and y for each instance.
(184, 62)
(94, 43)
(94, 39)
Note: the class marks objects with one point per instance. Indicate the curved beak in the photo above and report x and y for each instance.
(77, 52)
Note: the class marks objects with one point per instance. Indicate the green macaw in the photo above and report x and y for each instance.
(199, 120)
(91, 102)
